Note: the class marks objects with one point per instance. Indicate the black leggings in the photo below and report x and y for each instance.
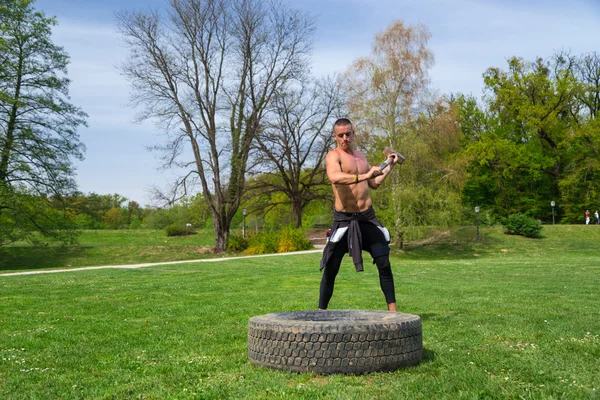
(374, 242)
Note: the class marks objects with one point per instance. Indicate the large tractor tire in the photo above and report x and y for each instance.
(335, 342)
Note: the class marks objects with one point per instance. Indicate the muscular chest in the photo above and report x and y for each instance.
(353, 164)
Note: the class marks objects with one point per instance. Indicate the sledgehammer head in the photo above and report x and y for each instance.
(388, 157)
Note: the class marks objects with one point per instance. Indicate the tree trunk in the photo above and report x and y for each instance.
(221, 233)
(400, 240)
(10, 129)
(6, 150)
(297, 214)
(220, 242)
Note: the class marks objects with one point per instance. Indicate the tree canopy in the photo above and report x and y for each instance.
(389, 101)
(536, 138)
(38, 127)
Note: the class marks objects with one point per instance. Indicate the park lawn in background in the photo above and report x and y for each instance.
(506, 318)
(109, 247)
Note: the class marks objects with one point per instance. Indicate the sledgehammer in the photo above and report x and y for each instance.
(388, 154)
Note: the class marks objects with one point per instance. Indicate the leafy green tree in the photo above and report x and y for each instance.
(536, 139)
(534, 101)
(199, 215)
(159, 218)
(271, 207)
(133, 212)
(113, 219)
(580, 181)
(387, 94)
(187, 211)
(95, 206)
(38, 127)
(427, 188)
(84, 221)
(318, 214)
(485, 158)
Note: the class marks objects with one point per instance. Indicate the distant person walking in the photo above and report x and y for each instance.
(597, 216)
(587, 217)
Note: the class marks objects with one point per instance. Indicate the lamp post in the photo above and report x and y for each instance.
(244, 226)
(552, 203)
(477, 221)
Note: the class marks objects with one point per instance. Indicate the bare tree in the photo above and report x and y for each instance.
(384, 88)
(207, 73)
(293, 144)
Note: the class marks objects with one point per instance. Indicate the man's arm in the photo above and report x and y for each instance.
(376, 182)
(333, 164)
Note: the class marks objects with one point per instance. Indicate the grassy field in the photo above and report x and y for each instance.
(506, 318)
(109, 247)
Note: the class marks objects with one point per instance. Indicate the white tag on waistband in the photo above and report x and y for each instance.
(386, 233)
(338, 234)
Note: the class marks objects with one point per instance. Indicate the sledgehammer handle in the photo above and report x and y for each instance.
(386, 162)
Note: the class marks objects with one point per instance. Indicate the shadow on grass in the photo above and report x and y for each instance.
(35, 258)
(428, 356)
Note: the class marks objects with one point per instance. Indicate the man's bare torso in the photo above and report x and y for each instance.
(355, 197)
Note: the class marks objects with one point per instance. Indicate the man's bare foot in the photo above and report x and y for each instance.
(392, 307)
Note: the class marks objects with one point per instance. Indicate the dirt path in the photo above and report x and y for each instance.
(133, 266)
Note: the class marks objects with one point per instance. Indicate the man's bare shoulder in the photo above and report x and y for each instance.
(333, 156)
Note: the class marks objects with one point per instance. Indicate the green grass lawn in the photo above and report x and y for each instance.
(109, 247)
(506, 318)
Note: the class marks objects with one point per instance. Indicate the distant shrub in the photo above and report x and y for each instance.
(519, 224)
(236, 243)
(292, 240)
(288, 239)
(159, 219)
(179, 230)
(136, 223)
(262, 243)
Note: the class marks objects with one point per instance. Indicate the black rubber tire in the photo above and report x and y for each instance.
(336, 341)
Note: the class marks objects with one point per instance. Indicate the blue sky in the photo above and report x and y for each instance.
(468, 36)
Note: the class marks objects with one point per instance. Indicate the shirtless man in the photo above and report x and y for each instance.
(355, 226)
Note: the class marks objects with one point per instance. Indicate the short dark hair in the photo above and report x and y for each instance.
(342, 122)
